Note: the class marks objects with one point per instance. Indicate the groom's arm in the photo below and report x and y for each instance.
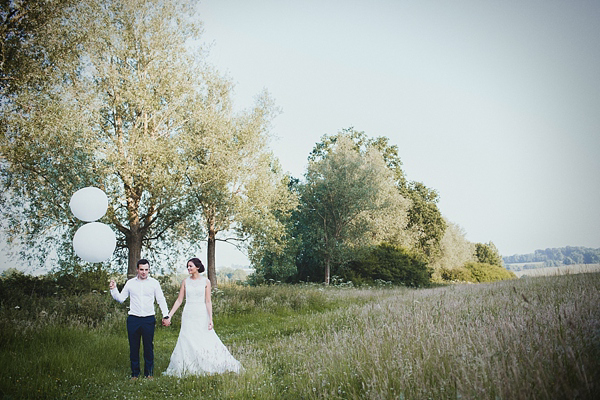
(160, 299)
(114, 291)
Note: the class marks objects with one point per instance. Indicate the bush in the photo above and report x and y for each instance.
(459, 274)
(483, 272)
(57, 298)
(388, 263)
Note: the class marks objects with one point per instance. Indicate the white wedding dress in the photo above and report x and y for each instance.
(199, 351)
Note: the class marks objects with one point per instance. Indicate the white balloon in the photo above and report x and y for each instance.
(89, 204)
(94, 242)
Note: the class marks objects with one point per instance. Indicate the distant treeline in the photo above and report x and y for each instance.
(556, 257)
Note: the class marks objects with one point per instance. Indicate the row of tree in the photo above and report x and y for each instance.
(359, 219)
(552, 257)
(118, 94)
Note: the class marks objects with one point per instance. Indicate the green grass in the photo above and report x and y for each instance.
(536, 338)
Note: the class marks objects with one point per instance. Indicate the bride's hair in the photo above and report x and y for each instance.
(197, 263)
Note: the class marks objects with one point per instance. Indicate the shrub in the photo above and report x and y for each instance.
(483, 272)
(459, 274)
(389, 263)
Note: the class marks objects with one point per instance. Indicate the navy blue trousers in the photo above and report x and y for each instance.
(141, 328)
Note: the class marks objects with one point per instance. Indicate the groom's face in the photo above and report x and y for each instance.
(143, 271)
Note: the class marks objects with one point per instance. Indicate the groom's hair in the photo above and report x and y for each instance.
(143, 261)
(197, 263)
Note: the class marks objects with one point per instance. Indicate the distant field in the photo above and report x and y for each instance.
(562, 270)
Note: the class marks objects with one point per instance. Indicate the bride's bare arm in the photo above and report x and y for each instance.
(178, 301)
(208, 302)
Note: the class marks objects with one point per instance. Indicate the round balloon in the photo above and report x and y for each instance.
(94, 242)
(89, 204)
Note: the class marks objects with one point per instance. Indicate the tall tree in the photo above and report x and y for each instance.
(237, 183)
(425, 222)
(345, 191)
(121, 113)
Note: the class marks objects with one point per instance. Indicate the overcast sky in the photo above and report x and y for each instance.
(495, 104)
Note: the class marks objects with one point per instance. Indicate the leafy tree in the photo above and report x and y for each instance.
(455, 251)
(346, 194)
(126, 110)
(235, 181)
(488, 253)
(425, 222)
(425, 219)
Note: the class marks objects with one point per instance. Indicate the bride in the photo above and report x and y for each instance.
(198, 351)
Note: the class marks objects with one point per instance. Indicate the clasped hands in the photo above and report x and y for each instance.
(166, 321)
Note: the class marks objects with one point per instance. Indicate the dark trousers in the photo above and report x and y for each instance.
(141, 328)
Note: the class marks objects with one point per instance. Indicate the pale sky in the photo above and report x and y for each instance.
(495, 104)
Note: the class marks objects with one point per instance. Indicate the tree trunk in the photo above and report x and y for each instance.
(134, 245)
(134, 236)
(210, 258)
(327, 271)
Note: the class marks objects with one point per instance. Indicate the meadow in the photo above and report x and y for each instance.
(530, 338)
(562, 270)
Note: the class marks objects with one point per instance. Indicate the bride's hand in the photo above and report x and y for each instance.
(210, 325)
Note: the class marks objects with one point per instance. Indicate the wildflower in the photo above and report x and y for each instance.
(17, 307)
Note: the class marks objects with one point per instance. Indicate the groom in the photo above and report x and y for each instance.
(142, 291)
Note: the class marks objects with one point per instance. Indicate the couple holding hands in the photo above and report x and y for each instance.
(198, 351)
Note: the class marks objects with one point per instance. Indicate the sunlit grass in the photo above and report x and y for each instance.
(536, 338)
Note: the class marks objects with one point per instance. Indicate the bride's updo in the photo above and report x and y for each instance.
(197, 263)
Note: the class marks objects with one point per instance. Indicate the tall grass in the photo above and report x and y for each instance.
(536, 338)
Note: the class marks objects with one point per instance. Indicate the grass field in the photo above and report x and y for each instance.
(535, 338)
(562, 270)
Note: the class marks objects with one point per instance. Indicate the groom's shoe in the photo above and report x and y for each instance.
(134, 378)
(150, 377)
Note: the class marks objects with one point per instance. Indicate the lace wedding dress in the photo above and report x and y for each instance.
(199, 351)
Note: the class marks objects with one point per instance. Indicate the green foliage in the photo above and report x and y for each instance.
(351, 200)
(17, 285)
(389, 263)
(487, 253)
(425, 222)
(50, 300)
(425, 219)
(457, 274)
(482, 272)
(26, 35)
(455, 251)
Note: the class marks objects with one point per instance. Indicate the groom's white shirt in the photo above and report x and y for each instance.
(142, 293)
